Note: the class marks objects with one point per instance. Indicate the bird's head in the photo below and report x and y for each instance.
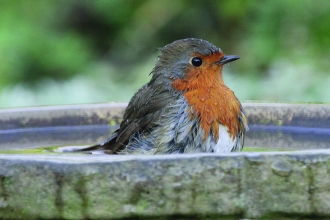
(191, 57)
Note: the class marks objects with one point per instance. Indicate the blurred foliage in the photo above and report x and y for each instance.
(80, 51)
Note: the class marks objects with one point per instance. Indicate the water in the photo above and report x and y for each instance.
(288, 137)
(259, 138)
(46, 139)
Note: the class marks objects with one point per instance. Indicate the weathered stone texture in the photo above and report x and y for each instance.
(238, 184)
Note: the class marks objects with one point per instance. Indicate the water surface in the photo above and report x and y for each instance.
(260, 138)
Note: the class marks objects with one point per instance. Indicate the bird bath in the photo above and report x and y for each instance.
(290, 178)
(273, 127)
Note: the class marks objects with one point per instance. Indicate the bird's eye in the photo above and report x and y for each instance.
(196, 61)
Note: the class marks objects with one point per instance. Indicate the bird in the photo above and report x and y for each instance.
(185, 107)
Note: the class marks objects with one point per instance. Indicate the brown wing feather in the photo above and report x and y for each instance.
(144, 107)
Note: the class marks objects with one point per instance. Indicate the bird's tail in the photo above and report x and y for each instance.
(91, 148)
(105, 147)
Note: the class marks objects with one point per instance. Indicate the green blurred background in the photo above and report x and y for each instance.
(55, 52)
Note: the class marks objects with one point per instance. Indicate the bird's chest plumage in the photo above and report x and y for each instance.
(189, 134)
(212, 104)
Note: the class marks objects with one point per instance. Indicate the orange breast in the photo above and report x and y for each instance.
(211, 101)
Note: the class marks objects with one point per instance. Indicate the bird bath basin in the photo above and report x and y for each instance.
(273, 127)
(290, 178)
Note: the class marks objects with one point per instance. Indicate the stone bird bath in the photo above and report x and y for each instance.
(282, 172)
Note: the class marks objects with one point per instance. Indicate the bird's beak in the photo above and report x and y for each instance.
(227, 59)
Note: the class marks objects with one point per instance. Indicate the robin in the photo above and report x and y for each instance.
(185, 108)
